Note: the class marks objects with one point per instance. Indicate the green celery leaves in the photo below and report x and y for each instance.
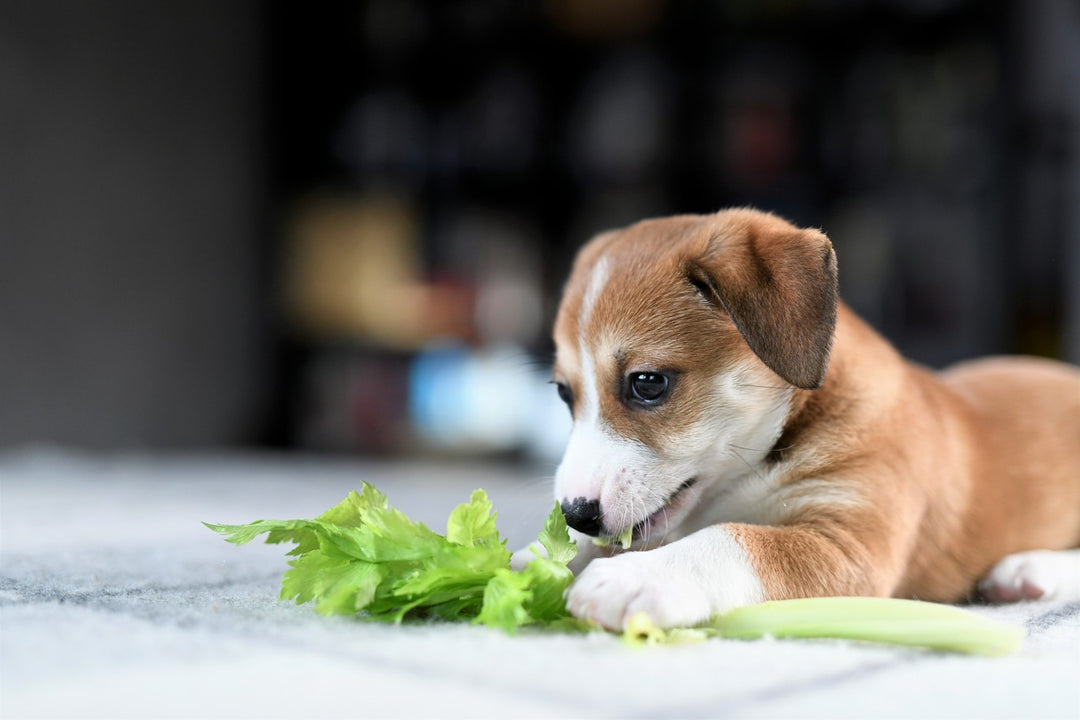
(363, 556)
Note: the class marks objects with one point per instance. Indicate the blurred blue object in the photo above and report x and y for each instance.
(489, 400)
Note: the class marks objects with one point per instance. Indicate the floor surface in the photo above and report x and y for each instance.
(115, 602)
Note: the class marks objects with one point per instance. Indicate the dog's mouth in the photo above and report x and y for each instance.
(666, 516)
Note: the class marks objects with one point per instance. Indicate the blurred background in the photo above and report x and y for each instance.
(343, 226)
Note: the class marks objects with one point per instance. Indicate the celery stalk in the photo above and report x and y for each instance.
(903, 622)
(625, 539)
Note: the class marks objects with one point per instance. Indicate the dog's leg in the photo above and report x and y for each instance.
(720, 568)
(1034, 575)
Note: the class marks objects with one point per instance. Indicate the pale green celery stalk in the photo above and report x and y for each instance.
(903, 622)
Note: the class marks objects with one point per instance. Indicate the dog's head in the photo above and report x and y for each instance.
(679, 344)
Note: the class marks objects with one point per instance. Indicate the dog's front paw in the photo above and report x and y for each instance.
(520, 559)
(680, 584)
(1034, 575)
(612, 590)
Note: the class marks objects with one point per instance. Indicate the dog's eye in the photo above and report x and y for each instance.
(648, 387)
(565, 394)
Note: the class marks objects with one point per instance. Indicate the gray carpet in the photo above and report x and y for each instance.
(116, 602)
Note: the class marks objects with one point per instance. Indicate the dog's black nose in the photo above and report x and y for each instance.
(583, 515)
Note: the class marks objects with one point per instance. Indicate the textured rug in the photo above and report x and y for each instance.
(116, 602)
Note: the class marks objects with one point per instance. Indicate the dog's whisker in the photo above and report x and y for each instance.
(750, 449)
(645, 500)
(663, 538)
(753, 471)
(536, 480)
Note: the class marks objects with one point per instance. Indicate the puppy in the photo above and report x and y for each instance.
(757, 441)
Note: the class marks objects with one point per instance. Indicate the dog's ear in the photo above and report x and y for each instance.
(778, 284)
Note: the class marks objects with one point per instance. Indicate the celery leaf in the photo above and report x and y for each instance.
(364, 557)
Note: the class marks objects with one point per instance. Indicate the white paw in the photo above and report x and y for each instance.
(520, 558)
(680, 584)
(1034, 575)
(612, 590)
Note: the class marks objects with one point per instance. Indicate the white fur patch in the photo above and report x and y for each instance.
(590, 406)
(679, 584)
(598, 280)
(749, 410)
(597, 463)
(1034, 575)
(590, 401)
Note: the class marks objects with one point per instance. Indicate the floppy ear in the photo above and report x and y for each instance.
(779, 287)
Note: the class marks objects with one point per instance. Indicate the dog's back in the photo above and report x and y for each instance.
(1009, 403)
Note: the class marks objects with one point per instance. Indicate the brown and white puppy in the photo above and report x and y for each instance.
(764, 443)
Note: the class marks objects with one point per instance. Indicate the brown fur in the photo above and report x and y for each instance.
(947, 472)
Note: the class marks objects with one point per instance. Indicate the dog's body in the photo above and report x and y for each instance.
(764, 443)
